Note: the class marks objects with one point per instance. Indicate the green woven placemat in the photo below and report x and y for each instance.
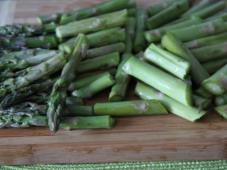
(193, 165)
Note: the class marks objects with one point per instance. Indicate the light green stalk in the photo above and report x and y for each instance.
(187, 112)
(168, 61)
(174, 45)
(159, 79)
(222, 110)
(93, 24)
(217, 83)
(130, 108)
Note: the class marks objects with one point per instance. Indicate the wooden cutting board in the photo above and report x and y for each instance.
(133, 139)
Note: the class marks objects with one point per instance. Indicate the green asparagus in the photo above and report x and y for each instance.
(93, 24)
(171, 43)
(166, 60)
(130, 35)
(222, 110)
(217, 83)
(103, 82)
(130, 108)
(221, 100)
(159, 79)
(213, 66)
(187, 112)
(68, 74)
(211, 52)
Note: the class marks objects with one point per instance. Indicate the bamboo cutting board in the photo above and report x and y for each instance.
(133, 139)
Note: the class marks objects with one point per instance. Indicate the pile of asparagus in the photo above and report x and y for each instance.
(175, 51)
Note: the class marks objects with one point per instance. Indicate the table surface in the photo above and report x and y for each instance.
(133, 139)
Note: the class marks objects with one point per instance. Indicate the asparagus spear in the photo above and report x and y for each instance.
(48, 19)
(168, 61)
(175, 46)
(92, 122)
(201, 102)
(79, 83)
(222, 110)
(99, 9)
(211, 52)
(197, 7)
(159, 79)
(130, 35)
(130, 108)
(73, 101)
(23, 115)
(96, 52)
(98, 39)
(221, 100)
(132, 12)
(93, 24)
(213, 66)
(156, 34)
(118, 91)
(222, 15)
(103, 62)
(22, 94)
(32, 74)
(201, 30)
(157, 8)
(210, 10)
(211, 40)
(140, 42)
(187, 112)
(216, 84)
(15, 63)
(170, 13)
(103, 82)
(58, 94)
(112, 71)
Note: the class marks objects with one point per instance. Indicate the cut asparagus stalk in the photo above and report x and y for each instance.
(197, 7)
(200, 102)
(221, 100)
(211, 40)
(168, 61)
(99, 9)
(159, 79)
(32, 74)
(98, 39)
(78, 110)
(118, 91)
(130, 35)
(96, 52)
(50, 27)
(217, 83)
(112, 71)
(79, 83)
(211, 52)
(201, 30)
(157, 8)
(214, 66)
(156, 34)
(48, 19)
(130, 108)
(170, 13)
(103, 62)
(96, 86)
(175, 46)
(58, 94)
(210, 10)
(222, 110)
(93, 24)
(92, 122)
(187, 112)
(22, 94)
(16, 63)
(140, 42)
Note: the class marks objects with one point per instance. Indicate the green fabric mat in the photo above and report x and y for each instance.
(193, 165)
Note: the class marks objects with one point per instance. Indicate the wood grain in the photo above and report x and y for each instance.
(133, 139)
